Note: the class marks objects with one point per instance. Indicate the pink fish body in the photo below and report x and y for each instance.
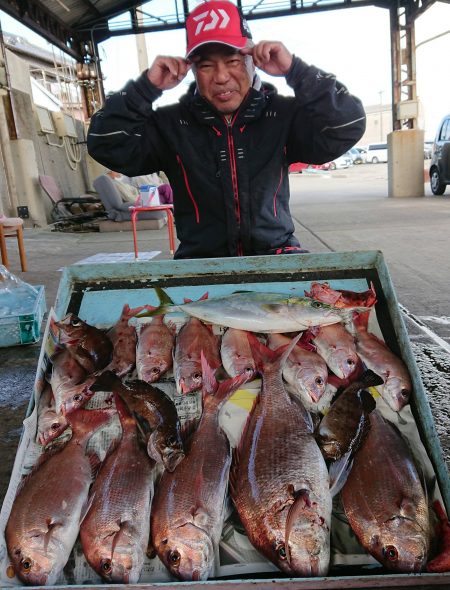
(115, 532)
(305, 371)
(69, 383)
(188, 508)
(236, 353)
(279, 479)
(50, 423)
(44, 520)
(124, 338)
(337, 347)
(376, 355)
(193, 338)
(154, 350)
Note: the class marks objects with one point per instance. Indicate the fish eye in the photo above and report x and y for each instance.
(106, 566)
(316, 304)
(77, 397)
(281, 552)
(249, 370)
(350, 362)
(174, 558)
(26, 564)
(155, 371)
(318, 381)
(196, 376)
(75, 322)
(405, 393)
(390, 552)
(54, 426)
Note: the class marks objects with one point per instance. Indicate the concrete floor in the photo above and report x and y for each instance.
(337, 211)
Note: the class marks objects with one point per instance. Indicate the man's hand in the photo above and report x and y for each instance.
(166, 72)
(271, 57)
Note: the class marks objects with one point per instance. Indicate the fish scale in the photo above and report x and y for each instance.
(277, 458)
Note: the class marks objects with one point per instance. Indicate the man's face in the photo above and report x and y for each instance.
(222, 76)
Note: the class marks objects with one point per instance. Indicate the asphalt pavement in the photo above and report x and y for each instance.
(341, 210)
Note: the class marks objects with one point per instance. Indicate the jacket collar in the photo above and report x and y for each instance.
(250, 109)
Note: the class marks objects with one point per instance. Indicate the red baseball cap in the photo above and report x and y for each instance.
(217, 21)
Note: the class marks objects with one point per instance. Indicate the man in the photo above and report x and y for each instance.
(227, 145)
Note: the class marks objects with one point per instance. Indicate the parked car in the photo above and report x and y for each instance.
(363, 153)
(440, 158)
(355, 155)
(343, 161)
(377, 152)
(300, 166)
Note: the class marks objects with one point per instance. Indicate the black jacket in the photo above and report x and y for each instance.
(230, 181)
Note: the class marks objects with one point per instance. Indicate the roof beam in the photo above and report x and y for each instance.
(39, 19)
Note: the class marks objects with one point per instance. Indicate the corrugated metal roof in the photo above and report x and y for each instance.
(66, 22)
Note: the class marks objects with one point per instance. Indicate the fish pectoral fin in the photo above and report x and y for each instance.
(408, 509)
(339, 472)
(200, 517)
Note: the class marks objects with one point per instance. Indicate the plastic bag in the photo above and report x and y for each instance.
(16, 296)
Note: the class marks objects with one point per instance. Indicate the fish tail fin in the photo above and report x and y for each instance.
(265, 356)
(370, 379)
(372, 295)
(361, 319)
(106, 381)
(85, 422)
(165, 302)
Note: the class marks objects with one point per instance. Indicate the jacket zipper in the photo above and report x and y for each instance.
(234, 182)
(188, 188)
(276, 193)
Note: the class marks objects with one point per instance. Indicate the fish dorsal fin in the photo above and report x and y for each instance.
(367, 401)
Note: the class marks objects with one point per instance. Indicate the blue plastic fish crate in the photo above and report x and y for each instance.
(24, 329)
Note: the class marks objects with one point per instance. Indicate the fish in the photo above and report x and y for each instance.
(376, 355)
(69, 383)
(193, 338)
(124, 339)
(337, 347)
(279, 481)
(256, 312)
(165, 445)
(188, 508)
(305, 372)
(342, 298)
(384, 502)
(154, 350)
(441, 562)
(347, 422)
(44, 520)
(50, 424)
(114, 533)
(236, 353)
(87, 344)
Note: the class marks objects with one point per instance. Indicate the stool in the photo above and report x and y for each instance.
(11, 227)
(168, 209)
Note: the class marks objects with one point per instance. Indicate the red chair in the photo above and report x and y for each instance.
(135, 210)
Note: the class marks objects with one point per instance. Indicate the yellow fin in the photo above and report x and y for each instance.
(374, 392)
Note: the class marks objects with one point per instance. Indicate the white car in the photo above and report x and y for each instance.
(343, 161)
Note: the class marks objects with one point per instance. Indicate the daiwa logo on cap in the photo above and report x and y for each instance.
(216, 22)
